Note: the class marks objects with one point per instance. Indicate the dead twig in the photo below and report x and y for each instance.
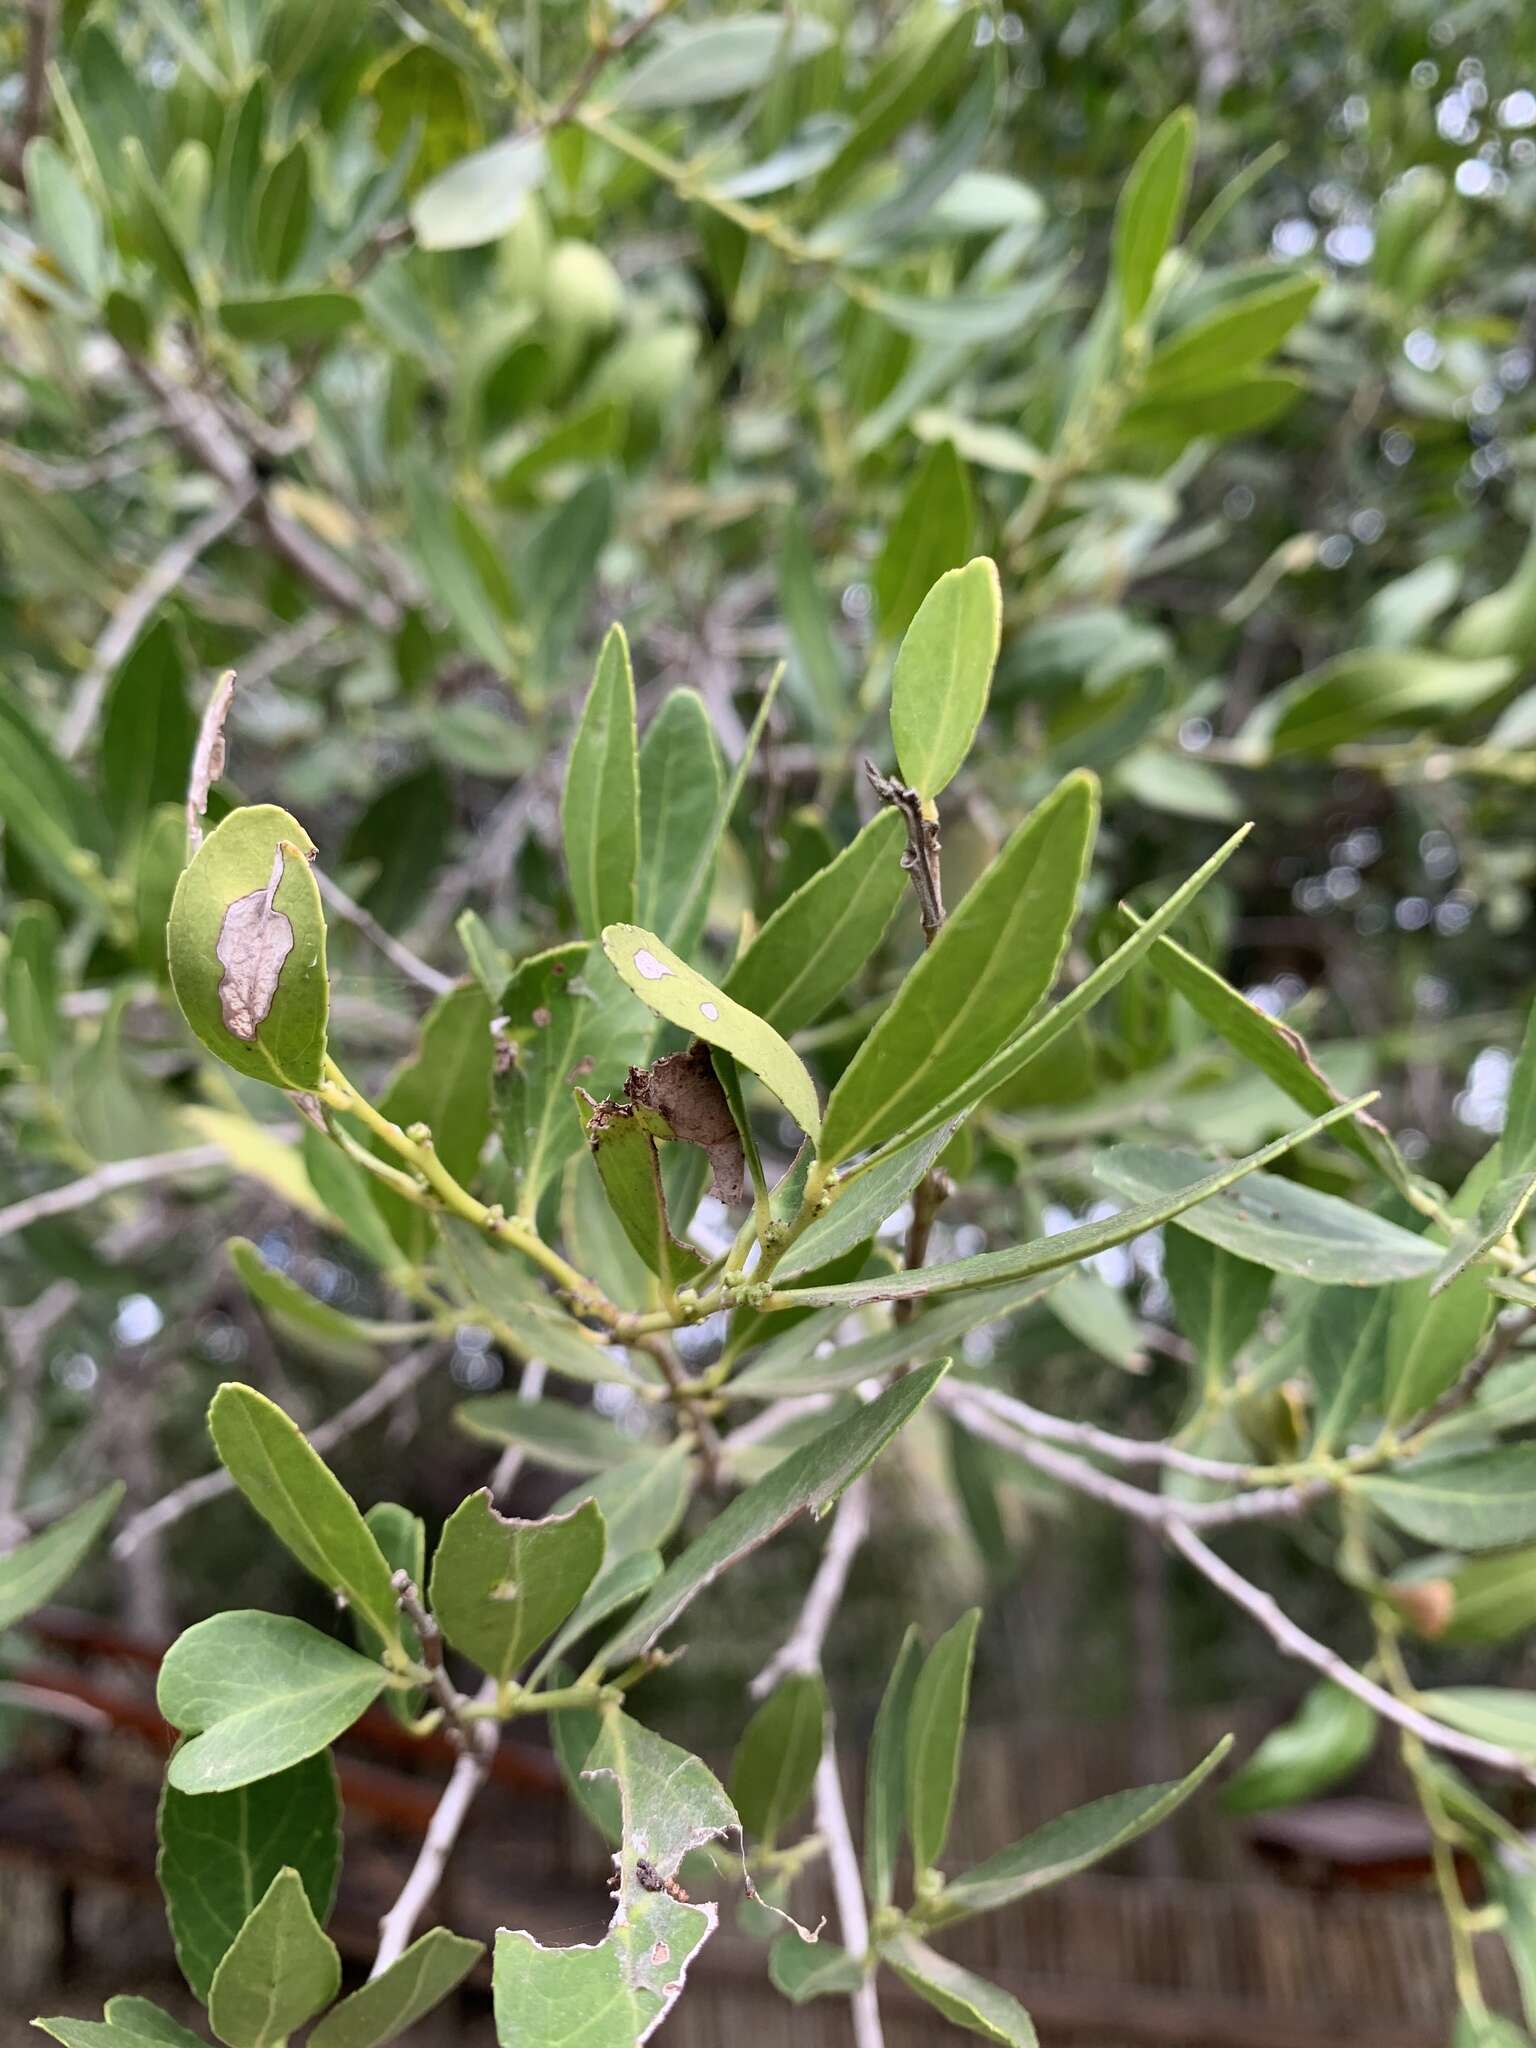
(208, 757)
(111, 1179)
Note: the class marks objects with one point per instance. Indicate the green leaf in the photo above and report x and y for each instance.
(943, 673)
(258, 1693)
(965, 1999)
(600, 806)
(545, 1010)
(154, 227)
(1345, 1349)
(790, 1364)
(1435, 1328)
(501, 1588)
(1329, 1738)
(1240, 407)
(34, 1571)
(249, 895)
(929, 535)
(407, 1991)
(48, 812)
(1217, 1299)
(817, 672)
(1500, 1209)
(1517, 1144)
(803, 1970)
(1477, 1502)
(861, 1206)
(31, 986)
(1491, 1598)
(294, 1307)
(1067, 1247)
(1490, 1711)
(961, 319)
(64, 216)
(615, 1994)
(447, 1087)
(681, 782)
(127, 2023)
(719, 60)
(572, 1735)
(460, 567)
(285, 211)
(1072, 1842)
(1151, 207)
(279, 1971)
(1488, 2030)
(554, 1433)
(885, 1795)
(1273, 1222)
(1278, 1052)
(680, 994)
(402, 1537)
(911, 80)
(220, 1851)
(292, 319)
(619, 1584)
(302, 1502)
(810, 1478)
(775, 1763)
(527, 1321)
(623, 1141)
(1212, 350)
(991, 962)
(642, 1501)
(1358, 692)
(935, 1733)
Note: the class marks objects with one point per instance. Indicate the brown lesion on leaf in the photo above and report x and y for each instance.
(254, 942)
(684, 1089)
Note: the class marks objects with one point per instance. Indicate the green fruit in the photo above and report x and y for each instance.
(1503, 622)
(583, 293)
(646, 371)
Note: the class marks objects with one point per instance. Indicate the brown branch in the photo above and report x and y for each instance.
(921, 859)
(42, 28)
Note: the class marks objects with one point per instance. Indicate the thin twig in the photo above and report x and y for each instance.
(430, 1637)
(1295, 1642)
(208, 757)
(128, 621)
(603, 51)
(772, 1419)
(43, 474)
(393, 949)
(921, 859)
(802, 1649)
(396, 1380)
(510, 1463)
(1497, 1346)
(464, 1782)
(1273, 1503)
(108, 1180)
(42, 1699)
(848, 1892)
(1119, 1450)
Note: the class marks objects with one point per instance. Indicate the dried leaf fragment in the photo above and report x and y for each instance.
(685, 1090)
(254, 941)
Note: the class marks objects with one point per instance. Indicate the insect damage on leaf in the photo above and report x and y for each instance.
(255, 940)
(685, 1090)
